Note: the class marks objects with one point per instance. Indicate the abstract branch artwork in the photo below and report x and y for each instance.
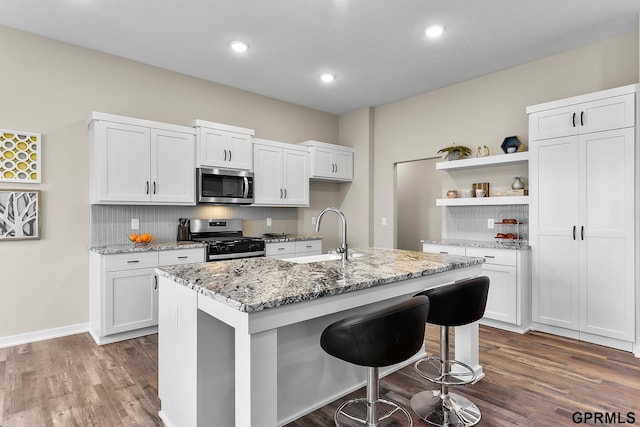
(19, 214)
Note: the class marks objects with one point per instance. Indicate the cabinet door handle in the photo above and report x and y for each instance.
(281, 193)
(281, 249)
(134, 261)
(582, 232)
(155, 286)
(154, 187)
(574, 232)
(581, 118)
(489, 256)
(573, 120)
(147, 188)
(285, 193)
(445, 253)
(309, 246)
(229, 155)
(183, 257)
(225, 154)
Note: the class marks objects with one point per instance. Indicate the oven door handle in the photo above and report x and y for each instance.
(246, 187)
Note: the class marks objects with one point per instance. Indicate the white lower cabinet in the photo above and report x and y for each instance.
(509, 289)
(443, 249)
(282, 250)
(124, 291)
(130, 300)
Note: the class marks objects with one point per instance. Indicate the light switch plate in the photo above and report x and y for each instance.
(490, 223)
(268, 222)
(135, 224)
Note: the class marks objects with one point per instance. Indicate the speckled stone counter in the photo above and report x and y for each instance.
(153, 246)
(478, 244)
(238, 338)
(254, 284)
(291, 238)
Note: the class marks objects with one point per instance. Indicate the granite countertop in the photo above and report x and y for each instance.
(478, 244)
(290, 238)
(153, 246)
(253, 284)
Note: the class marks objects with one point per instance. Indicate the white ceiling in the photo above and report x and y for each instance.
(376, 48)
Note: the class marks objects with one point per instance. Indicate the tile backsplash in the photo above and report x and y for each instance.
(111, 224)
(471, 222)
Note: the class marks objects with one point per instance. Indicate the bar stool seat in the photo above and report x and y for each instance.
(456, 304)
(382, 338)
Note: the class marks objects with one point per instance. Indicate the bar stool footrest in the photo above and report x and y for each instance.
(450, 372)
(354, 413)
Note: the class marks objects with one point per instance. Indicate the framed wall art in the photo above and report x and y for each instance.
(20, 156)
(19, 214)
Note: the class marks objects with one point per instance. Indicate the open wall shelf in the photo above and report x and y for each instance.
(483, 201)
(500, 159)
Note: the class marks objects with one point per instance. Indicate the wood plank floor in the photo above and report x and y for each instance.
(531, 380)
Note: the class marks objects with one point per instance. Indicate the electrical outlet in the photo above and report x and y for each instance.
(384, 220)
(135, 224)
(314, 220)
(268, 222)
(490, 223)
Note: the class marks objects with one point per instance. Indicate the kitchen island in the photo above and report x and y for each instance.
(239, 340)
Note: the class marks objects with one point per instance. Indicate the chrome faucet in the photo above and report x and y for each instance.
(342, 250)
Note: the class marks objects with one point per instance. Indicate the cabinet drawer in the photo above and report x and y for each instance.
(130, 261)
(277, 249)
(180, 256)
(494, 256)
(309, 246)
(443, 249)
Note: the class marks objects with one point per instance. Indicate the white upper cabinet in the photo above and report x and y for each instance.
(580, 115)
(330, 162)
(223, 146)
(281, 174)
(134, 161)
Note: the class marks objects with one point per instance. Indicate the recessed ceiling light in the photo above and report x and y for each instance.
(327, 78)
(434, 31)
(239, 46)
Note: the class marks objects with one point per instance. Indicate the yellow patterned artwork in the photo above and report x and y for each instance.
(19, 156)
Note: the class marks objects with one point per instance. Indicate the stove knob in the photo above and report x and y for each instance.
(213, 250)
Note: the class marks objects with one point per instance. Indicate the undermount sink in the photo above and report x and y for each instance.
(321, 258)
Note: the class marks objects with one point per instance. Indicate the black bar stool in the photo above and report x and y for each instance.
(457, 304)
(374, 340)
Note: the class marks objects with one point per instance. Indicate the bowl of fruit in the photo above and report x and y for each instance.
(141, 239)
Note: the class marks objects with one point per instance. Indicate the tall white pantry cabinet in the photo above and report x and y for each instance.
(582, 225)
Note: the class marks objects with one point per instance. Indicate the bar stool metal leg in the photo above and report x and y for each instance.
(439, 407)
(371, 411)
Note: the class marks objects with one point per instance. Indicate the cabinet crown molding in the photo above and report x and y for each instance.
(114, 118)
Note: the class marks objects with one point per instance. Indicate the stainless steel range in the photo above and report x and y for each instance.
(224, 238)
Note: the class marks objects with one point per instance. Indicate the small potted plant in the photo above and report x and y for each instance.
(455, 152)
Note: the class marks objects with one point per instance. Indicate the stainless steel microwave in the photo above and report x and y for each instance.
(224, 186)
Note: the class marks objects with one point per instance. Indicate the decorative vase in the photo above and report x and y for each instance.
(517, 184)
(454, 155)
(452, 194)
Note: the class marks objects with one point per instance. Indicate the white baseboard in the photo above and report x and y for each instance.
(46, 334)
